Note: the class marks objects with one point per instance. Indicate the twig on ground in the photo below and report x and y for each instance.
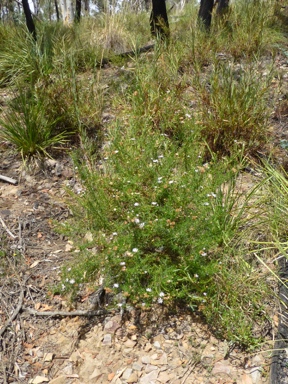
(14, 314)
(8, 179)
(6, 228)
(189, 370)
(99, 312)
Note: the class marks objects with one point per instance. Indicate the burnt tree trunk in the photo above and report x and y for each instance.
(223, 6)
(159, 20)
(57, 10)
(77, 11)
(29, 20)
(205, 13)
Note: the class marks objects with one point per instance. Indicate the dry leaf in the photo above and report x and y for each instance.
(34, 264)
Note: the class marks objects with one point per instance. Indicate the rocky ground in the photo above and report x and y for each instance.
(134, 347)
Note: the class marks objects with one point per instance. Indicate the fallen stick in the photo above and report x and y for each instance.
(8, 179)
(99, 312)
(14, 314)
(6, 228)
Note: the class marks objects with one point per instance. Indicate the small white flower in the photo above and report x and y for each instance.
(63, 287)
(196, 276)
(188, 116)
(160, 179)
(119, 305)
(143, 304)
(154, 203)
(115, 285)
(136, 220)
(72, 281)
(135, 250)
(114, 233)
(160, 157)
(206, 203)
(122, 263)
(205, 294)
(116, 151)
(213, 194)
(69, 269)
(148, 289)
(136, 204)
(160, 300)
(170, 181)
(196, 170)
(161, 294)
(155, 160)
(141, 225)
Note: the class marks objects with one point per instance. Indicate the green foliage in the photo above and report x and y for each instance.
(155, 219)
(27, 127)
(233, 107)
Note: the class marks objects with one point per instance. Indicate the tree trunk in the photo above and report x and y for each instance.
(78, 11)
(67, 11)
(205, 13)
(86, 7)
(223, 6)
(57, 10)
(159, 20)
(29, 20)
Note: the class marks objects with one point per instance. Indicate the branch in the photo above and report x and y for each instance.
(99, 312)
(6, 228)
(8, 179)
(15, 313)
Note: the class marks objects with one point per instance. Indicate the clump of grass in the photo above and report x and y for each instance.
(233, 107)
(27, 127)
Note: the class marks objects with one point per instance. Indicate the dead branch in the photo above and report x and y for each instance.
(88, 313)
(6, 228)
(8, 179)
(15, 313)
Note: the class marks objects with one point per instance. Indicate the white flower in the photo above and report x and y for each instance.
(154, 203)
(122, 263)
(155, 161)
(72, 281)
(115, 285)
(160, 300)
(148, 289)
(196, 276)
(136, 220)
(171, 182)
(69, 269)
(206, 203)
(141, 225)
(114, 233)
(161, 294)
(135, 250)
(136, 204)
(205, 294)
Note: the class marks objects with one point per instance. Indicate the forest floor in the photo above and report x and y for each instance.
(153, 346)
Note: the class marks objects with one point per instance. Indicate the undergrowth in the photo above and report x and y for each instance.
(159, 217)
